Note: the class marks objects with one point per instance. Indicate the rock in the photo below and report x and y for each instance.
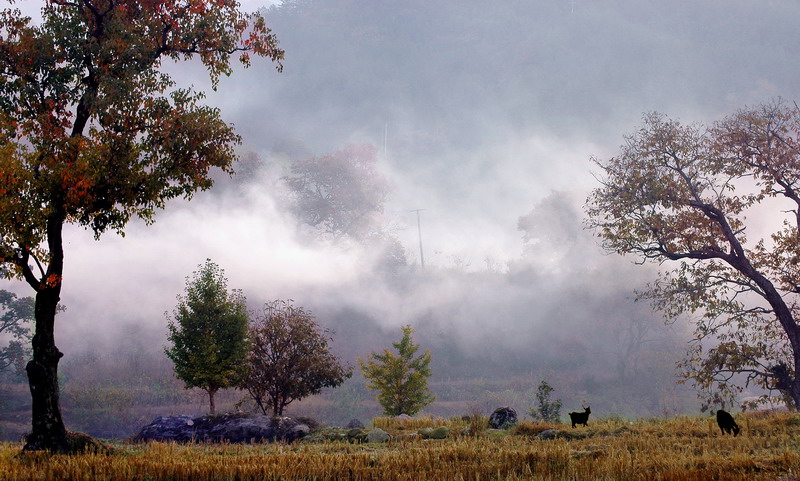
(402, 417)
(503, 418)
(355, 424)
(168, 428)
(232, 428)
(317, 438)
(378, 435)
(430, 433)
(301, 430)
(550, 434)
(357, 435)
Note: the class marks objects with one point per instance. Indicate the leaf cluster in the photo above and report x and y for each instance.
(546, 409)
(290, 357)
(92, 131)
(208, 332)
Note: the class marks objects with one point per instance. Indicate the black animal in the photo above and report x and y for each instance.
(726, 423)
(580, 418)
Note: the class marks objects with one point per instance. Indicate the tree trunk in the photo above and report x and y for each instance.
(48, 432)
(795, 392)
(212, 408)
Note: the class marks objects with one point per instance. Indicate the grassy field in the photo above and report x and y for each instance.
(679, 449)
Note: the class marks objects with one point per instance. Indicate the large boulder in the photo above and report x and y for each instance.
(378, 435)
(231, 428)
(503, 418)
(168, 428)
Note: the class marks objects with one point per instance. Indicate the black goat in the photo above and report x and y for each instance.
(726, 423)
(580, 418)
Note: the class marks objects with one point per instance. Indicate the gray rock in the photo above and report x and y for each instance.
(355, 424)
(503, 418)
(551, 434)
(378, 435)
(168, 428)
(402, 417)
(300, 430)
(232, 428)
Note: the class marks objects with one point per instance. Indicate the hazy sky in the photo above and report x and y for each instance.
(489, 109)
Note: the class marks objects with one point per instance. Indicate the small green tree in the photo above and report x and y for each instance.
(209, 333)
(546, 409)
(290, 358)
(400, 379)
(15, 316)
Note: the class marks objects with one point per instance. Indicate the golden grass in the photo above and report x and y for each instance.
(400, 424)
(679, 449)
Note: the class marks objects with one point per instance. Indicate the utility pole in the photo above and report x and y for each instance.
(385, 138)
(419, 231)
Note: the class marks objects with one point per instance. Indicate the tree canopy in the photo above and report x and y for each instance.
(209, 333)
(341, 193)
(93, 133)
(291, 357)
(689, 194)
(401, 379)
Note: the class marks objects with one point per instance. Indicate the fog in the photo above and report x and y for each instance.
(486, 117)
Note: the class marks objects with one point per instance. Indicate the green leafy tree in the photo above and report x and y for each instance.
(546, 410)
(209, 333)
(683, 194)
(17, 313)
(93, 133)
(400, 379)
(290, 358)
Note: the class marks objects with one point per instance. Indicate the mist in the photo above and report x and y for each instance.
(486, 117)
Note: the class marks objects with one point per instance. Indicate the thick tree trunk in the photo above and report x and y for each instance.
(48, 432)
(48, 428)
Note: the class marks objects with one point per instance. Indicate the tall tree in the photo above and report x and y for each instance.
(209, 333)
(340, 194)
(290, 357)
(93, 133)
(401, 379)
(682, 193)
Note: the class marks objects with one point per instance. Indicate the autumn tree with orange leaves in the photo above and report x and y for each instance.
(93, 133)
(686, 196)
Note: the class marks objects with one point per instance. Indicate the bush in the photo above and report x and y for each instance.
(546, 410)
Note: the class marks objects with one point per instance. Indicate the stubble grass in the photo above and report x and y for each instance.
(678, 449)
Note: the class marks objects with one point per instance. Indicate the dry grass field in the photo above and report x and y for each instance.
(678, 449)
